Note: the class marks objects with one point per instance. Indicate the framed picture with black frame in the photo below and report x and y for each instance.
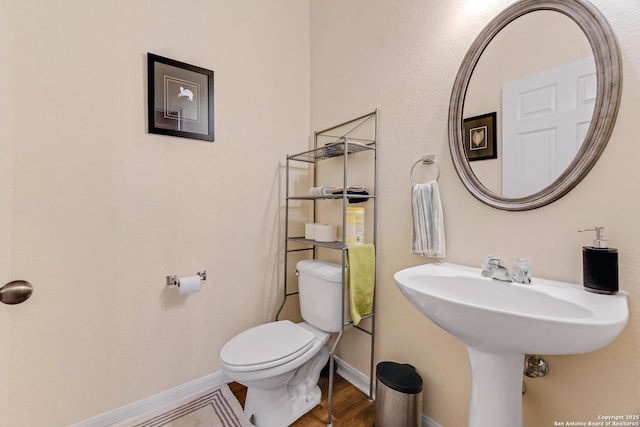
(480, 137)
(180, 99)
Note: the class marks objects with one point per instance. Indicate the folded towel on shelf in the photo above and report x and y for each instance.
(333, 149)
(321, 191)
(338, 190)
(354, 190)
(361, 273)
(428, 221)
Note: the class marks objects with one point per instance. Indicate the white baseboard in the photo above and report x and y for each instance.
(346, 371)
(428, 422)
(361, 382)
(355, 377)
(156, 401)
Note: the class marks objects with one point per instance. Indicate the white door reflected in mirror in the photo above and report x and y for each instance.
(545, 118)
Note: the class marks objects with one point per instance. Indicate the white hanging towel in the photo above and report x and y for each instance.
(428, 221)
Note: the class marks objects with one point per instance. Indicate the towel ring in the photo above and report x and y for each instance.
(426, 160)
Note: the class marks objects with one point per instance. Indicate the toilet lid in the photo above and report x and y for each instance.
(267, 345)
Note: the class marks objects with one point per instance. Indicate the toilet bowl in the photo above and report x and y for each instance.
(280, 362)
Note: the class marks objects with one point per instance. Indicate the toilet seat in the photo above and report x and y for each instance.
(266, 346)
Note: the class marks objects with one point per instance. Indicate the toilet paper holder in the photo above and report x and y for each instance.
(174, 280)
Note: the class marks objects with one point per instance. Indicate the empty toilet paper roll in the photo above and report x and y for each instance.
(189, 284)
(310, 231)
(325, 233)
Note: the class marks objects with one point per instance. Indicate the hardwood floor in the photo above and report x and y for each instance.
(351, 407)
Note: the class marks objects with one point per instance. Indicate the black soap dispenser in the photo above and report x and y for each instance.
(600, 265)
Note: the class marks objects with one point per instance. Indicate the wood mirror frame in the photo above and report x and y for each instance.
(609, 85)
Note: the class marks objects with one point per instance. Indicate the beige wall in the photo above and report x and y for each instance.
(103, 211)
(402, 57)
(6, 128)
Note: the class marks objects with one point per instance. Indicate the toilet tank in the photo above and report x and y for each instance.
(320, 287)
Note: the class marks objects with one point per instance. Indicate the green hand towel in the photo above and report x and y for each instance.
(361, 273)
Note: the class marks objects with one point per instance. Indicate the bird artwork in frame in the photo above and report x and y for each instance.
(480, 137)
(180, 99)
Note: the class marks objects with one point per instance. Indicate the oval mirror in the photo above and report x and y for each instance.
(534, 103)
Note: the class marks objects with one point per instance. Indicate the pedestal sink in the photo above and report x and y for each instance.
(500, 322)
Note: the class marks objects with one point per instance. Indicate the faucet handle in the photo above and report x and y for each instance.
(486, 265)
(495, 268)
(522, 271)
(490, 261)
(486, 261)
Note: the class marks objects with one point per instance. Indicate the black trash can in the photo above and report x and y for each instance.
(398, 395)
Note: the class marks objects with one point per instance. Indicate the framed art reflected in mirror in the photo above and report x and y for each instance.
(480, 137)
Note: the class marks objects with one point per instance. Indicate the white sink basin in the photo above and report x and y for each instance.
(501, 321)
(545, 317)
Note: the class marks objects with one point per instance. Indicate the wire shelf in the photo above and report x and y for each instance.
(331, 245)
(335, 149)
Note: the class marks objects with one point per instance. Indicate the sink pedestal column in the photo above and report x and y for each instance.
(496, 389)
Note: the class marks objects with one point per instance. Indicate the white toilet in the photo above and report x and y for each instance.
(280, 362)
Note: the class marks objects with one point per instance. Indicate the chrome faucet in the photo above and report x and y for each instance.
(497, 269)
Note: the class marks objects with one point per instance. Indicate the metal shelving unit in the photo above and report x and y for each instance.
(352, 137)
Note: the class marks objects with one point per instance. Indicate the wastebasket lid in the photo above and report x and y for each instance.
(399, 377)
